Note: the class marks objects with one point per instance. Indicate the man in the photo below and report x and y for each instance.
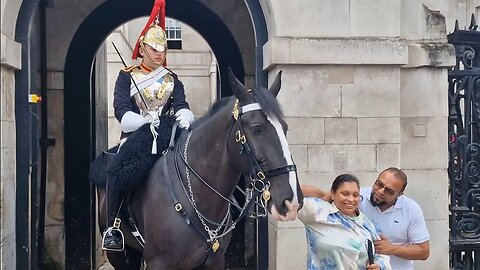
(143, 93)
(404, 233)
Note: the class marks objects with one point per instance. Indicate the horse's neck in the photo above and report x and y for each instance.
(207, 153)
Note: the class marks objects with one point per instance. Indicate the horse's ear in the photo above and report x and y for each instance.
(277, 84)
(238, 88)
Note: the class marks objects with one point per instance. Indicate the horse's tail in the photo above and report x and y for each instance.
(98, 169)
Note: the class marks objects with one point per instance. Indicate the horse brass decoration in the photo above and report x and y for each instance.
(215, 246)
(239, 137)
(235, 111)
(266, 195)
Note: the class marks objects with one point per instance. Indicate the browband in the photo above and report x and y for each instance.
(250, 107)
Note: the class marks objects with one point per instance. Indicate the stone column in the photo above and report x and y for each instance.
(10, 61)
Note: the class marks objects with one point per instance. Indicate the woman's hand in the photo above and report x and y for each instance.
(373, 267)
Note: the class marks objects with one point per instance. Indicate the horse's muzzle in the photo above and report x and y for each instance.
(291, 214)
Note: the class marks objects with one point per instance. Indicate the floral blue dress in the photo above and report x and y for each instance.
(336, 241)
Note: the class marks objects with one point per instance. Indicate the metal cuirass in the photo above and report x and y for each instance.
(155, 95)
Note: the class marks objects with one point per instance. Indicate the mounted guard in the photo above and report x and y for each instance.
(144, 96)
(181, 216)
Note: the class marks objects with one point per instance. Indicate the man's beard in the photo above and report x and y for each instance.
(374, 203)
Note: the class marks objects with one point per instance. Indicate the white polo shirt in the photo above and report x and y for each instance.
(401, 224)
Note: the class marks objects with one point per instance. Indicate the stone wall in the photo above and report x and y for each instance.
(364, 88)
(54, 212)
(7, 170)
(10, 61)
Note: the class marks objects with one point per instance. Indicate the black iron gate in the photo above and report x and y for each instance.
(464, 148)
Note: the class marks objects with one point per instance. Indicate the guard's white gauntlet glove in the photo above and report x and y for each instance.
(131, 121)
(152, 117)
(184, 118)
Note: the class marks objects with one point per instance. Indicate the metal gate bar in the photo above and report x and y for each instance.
(464, 148)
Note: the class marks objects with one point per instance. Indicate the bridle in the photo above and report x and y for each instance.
(258, 183)
(258, 177)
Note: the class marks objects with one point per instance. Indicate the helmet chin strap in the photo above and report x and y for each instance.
(142, 45)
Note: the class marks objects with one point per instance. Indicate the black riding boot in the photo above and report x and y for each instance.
(113, 236)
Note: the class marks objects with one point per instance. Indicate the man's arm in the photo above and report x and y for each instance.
(312, 191)
(179, 100)
(125, 111)
(410, 252)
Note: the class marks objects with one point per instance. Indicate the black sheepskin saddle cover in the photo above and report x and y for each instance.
(135, 159)
(98, 168)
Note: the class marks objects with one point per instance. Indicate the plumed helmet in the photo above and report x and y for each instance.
(153, 33)
(155, 37)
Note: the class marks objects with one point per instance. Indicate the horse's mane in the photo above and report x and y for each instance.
(264, 97)
(213, 110)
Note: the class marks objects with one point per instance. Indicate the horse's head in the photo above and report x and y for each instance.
(260, 131)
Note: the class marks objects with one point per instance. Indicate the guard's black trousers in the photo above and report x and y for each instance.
(113, 239)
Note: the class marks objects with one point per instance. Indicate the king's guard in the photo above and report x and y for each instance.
(142, 93)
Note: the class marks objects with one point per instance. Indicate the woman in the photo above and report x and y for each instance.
(337, 232)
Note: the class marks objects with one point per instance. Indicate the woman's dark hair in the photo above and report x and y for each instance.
(344, 178)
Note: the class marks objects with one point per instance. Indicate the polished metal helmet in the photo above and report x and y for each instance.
(155, 37)
(153, 33)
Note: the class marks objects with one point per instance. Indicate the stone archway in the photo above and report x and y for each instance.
(79, 135)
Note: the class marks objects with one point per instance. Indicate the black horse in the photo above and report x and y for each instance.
(183, 207)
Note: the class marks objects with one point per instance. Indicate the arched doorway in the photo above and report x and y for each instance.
(80, 145)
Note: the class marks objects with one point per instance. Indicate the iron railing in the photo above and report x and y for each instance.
(464, 149)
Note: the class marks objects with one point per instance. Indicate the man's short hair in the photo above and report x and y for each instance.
(399, 174)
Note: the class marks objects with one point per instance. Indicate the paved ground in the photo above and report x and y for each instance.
(106, 266)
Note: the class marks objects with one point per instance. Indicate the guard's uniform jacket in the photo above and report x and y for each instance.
(124, 101)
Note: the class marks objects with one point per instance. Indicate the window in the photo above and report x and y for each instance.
(173, 29)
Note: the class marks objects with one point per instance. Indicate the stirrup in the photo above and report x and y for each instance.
(114, 229)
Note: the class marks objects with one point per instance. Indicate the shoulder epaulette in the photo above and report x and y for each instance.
(130, 68)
